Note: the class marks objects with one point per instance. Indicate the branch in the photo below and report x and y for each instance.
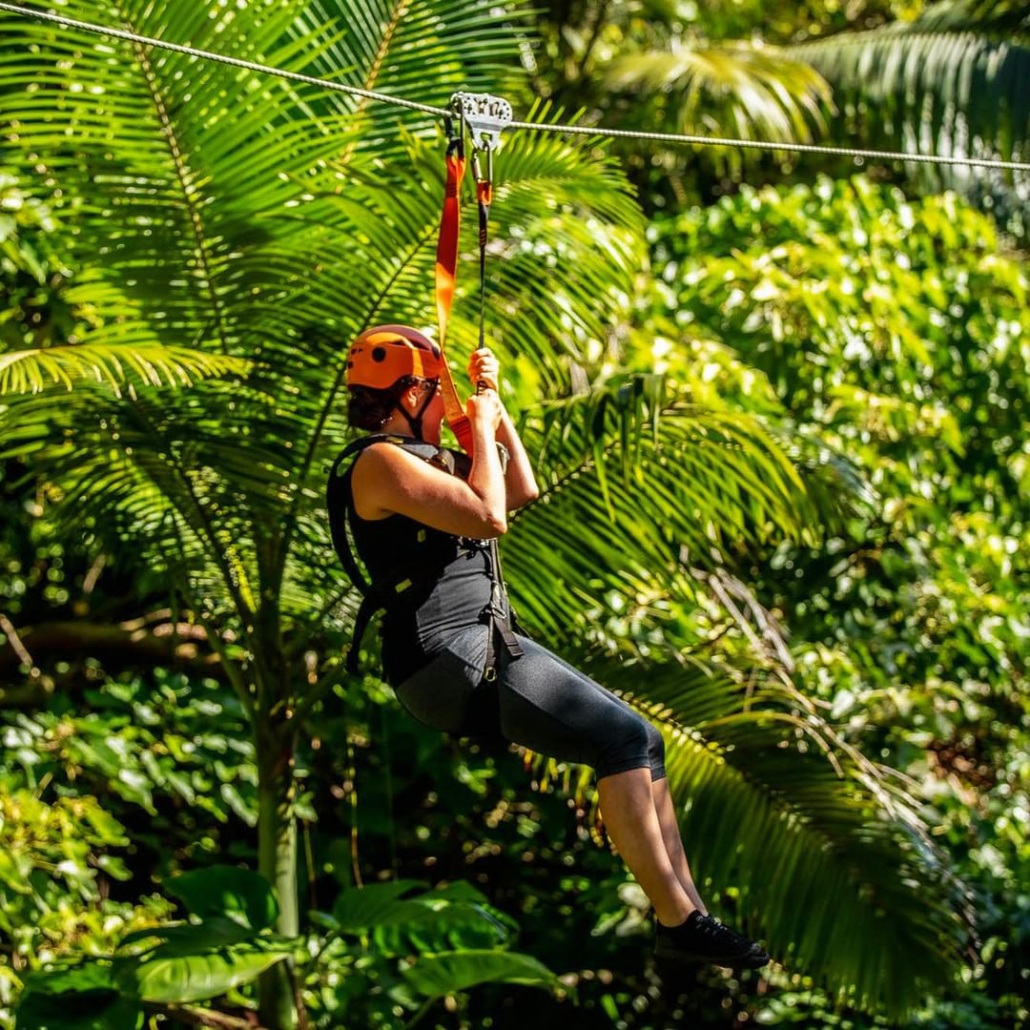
(602, 10)
(160, 642)
(16, 645)
(193, 1015)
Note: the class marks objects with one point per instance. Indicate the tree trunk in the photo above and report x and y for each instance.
(277, 860)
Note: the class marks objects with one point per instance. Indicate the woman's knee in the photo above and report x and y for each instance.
(627, 744)
(655, 750)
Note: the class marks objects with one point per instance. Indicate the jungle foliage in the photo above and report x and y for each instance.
(781, 440)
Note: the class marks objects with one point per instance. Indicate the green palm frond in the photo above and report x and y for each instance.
(176, 164)
(636, 486)
(779, 815)
(726, 90)
(116, 366)
(740, 742)
(950, 83)
(164, 472)
(800, 834)
(997, 17)
(251, 237)
(423, 50)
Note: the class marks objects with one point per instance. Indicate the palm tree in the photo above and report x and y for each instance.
(655, 67)
(951, 81)
(955, 82)
(237, 229)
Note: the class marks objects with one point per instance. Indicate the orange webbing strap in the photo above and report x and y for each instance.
(446, 268)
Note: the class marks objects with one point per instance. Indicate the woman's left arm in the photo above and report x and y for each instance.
(519, 481)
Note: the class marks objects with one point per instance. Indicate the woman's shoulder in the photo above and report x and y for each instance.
(385, 451)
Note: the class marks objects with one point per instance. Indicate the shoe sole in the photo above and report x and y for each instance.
(741, 962)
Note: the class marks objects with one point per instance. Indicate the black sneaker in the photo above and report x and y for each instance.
(702, 938)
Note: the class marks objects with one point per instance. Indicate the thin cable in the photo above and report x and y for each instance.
(795, 148)
(599, 132)
(208, 55)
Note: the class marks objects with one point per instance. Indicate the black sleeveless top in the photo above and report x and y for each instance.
(444, 579)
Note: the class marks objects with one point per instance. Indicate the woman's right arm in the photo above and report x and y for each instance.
(519, 481)
(388, 480)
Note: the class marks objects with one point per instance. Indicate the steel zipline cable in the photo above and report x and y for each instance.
(597, 132)
(208, 55)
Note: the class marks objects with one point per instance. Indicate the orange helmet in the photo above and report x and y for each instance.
(385, 353)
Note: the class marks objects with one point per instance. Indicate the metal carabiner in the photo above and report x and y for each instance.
(455, 140)
(477, 171)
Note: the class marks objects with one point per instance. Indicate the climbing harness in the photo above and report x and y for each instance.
(437, 550)
(481, 118)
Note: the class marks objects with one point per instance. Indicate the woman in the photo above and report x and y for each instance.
(425, 523)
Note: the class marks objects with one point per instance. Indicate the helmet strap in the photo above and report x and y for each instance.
(415, 421)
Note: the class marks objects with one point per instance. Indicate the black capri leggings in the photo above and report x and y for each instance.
(537, 701)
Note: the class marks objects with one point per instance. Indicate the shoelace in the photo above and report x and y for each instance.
(719, 934)
(711, 927)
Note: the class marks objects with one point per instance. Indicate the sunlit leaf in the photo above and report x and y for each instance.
(437, 975)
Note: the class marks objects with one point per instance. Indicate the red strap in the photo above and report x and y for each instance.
(446, 268)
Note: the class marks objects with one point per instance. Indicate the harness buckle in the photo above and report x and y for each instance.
(485, 115)
(490, 674)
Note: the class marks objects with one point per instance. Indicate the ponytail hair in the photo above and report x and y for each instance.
(369, 408)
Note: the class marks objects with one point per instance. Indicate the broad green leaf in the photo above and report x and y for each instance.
(239, 895)
(437, 975)
(414, 926)
(359, 909)
(197, 977)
